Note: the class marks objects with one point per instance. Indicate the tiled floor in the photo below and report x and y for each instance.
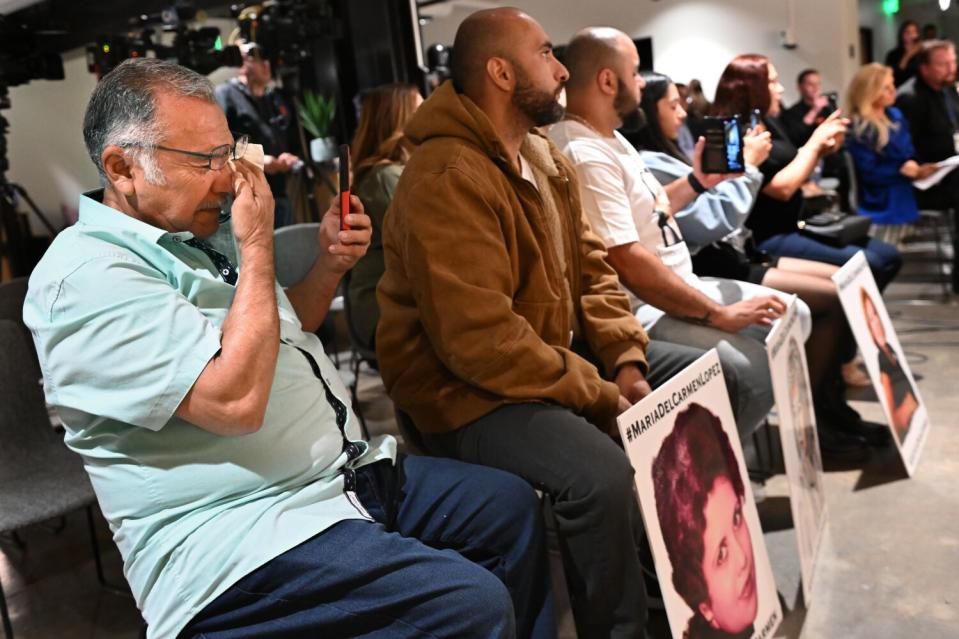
(888, 567)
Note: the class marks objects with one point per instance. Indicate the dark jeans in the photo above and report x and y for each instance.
(884, 259)
(590, 482)
(456, 551)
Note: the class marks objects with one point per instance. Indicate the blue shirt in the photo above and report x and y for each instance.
(125, 317)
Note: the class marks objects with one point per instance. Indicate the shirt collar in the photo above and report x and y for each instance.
(95, 213)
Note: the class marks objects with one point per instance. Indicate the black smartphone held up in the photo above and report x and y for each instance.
(755, 119)
(723, 152)
(344, 186)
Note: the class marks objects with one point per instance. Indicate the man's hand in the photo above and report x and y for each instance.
(758, 310)
(632, 384)
(283, 163)
(756, 146)
(818, 104)
(708, 180)
(340, 250)
(252, 211)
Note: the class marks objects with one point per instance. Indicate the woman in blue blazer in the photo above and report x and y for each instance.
(882, 149)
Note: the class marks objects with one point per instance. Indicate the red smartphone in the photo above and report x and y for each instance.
(344, 186)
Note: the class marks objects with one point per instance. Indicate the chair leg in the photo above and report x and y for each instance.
(5, 614)
(98, 562)
(96, 546)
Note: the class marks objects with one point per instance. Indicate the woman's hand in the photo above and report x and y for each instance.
(756, 146)
(828, 136)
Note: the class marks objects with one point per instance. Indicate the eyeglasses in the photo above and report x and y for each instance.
(215, 159)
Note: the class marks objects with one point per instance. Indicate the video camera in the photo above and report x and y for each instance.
(197, 49)
(284, 29)
(21, 60)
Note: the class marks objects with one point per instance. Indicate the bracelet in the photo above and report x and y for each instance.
(695, 183)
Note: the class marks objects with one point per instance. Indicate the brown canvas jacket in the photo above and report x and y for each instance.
(474, 307)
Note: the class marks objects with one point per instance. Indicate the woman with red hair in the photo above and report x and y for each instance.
(751, 82)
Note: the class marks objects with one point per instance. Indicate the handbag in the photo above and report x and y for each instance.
(831, 226)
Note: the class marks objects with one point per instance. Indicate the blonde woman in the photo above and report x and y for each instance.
(882, 148)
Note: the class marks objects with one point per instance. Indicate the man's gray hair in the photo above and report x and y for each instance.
(123, 109)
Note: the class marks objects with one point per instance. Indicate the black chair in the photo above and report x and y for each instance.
(40, 478)
(938, 222)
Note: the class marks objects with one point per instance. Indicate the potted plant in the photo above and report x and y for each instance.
(316, 116)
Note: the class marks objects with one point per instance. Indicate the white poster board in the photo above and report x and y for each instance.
(885, 362)
(797, 431)
(698, 507)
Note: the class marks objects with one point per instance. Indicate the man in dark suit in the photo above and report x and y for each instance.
(802, 118)
(931, 106)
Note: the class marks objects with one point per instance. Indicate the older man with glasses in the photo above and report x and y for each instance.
(217, 434)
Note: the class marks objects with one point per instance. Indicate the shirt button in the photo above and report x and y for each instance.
(176, 239)
(225, 271)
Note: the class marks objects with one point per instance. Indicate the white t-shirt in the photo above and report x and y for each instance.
(620, 197)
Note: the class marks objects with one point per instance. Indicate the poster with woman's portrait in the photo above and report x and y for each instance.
(885, 361)
(797, 431)
(698, 508)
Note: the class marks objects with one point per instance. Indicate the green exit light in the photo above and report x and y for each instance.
(890, 7)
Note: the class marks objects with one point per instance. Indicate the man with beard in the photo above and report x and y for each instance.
(632, 214)
(496, 301)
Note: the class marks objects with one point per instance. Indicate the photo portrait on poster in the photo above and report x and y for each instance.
(884, 359)
(800, 444)
(698, 508)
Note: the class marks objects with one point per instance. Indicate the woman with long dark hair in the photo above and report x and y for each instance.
(751, 82)
(709, 220)
(379, 152)
(700, 499)
(904, 59)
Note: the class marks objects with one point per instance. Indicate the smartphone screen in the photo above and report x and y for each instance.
(723, 151)
(734, 145)
(344, 186)
(755, 119)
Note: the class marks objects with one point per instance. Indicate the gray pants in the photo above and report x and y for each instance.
(590, 482)
(742, 354)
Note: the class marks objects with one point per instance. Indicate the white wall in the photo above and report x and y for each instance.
(697, 38)
(46, 150)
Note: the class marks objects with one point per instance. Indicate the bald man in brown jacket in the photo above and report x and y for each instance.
(497, 307)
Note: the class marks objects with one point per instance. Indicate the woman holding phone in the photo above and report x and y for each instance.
(379, 153)
(708, 222)
(752, 82)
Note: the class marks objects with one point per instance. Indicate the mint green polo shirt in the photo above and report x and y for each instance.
(125, 316)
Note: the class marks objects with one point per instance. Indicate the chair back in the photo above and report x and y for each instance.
(295, 250)
(24, 422)
(853, 177)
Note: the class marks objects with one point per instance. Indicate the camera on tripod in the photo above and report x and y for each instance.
(21, 60)
(284, 29)
(197, 49)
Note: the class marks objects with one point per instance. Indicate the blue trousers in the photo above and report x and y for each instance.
(884, 259)
(456, 550)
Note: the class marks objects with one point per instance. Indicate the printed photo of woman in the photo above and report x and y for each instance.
(897, 392)
(809, 492)
(699, 493)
